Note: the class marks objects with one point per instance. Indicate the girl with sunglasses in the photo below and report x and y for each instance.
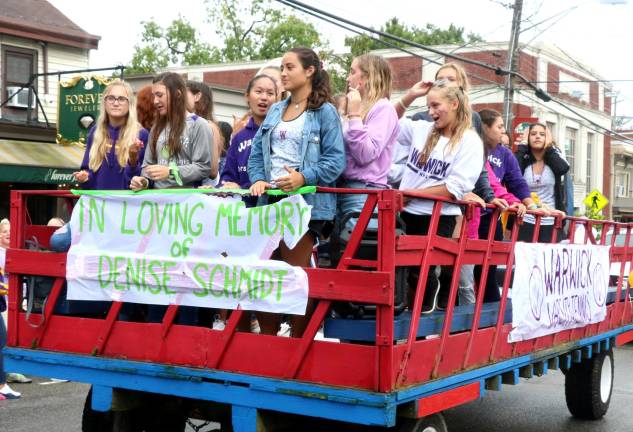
(445, 159)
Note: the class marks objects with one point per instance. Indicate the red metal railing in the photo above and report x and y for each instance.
(382, 366)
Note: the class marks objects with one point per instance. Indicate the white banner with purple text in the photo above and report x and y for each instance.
(557, 287)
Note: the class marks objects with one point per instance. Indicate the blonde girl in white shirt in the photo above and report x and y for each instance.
(445, 159)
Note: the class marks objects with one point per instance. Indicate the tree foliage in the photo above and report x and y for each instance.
(248, 30)
(177, 44)
(254, 30)
(427, 35)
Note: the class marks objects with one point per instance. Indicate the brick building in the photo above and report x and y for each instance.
(36, 38)
(622, 163)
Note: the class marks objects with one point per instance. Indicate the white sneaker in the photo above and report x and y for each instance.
(284, 330)
(218, 325)
(54, 381)
(18, 378)
(8, 393)
(255, 327)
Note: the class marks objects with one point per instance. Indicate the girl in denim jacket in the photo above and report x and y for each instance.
(299, 143)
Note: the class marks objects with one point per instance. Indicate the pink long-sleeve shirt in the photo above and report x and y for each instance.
(500, 192)
(369, 144)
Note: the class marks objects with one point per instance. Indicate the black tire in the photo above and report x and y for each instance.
(108, 421)
(95, 421)
(160, 413)
(589, 385)
(432, 423)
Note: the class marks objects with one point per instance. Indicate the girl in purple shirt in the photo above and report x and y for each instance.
(370, 129)
(261, 93)
(116, 144)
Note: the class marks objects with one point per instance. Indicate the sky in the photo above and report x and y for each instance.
(590, 31)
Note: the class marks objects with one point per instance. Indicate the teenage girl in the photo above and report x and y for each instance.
(445, 159)
(542, 166)
(178, 155)
(370, 130)
(261, 94)
(300, 143)
(116, 145)
(200, 103)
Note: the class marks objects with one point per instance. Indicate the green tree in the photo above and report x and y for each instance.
(249, 30)
(176, 44)
(254, 30)
(290, 32)
(428, 35)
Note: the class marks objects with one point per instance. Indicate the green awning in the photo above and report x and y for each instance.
(34, 162)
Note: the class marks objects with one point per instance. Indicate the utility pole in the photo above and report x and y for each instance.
(513, 60)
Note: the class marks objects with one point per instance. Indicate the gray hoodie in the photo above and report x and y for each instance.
(193, 162)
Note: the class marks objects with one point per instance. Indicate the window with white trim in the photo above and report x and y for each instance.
(570, 149)
(590, 138)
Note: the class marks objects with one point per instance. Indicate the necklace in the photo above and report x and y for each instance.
(535, 176)
(296, 104)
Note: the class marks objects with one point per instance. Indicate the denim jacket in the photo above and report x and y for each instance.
(322, 154)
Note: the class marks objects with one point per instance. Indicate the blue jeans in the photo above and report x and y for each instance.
(3, 342)
(347, 204)
(60, 240)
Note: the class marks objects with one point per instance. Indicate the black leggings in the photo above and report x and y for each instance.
(490, 286)
(419, 225)
(526, 232)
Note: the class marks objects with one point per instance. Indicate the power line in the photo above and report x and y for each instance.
(382, 41)
(535, 25)
(320, 14)
(581, 80)
(601, 129)
(539, 93)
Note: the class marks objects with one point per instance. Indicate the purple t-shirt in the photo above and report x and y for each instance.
(236, 165)
(506, 168)
(110, 175)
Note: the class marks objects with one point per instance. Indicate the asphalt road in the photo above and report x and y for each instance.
(534, 405)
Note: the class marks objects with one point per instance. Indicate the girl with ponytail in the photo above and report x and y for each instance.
(445, 159)
(299, 143)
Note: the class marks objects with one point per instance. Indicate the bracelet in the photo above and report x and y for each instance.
(532, 207)
(404, 107)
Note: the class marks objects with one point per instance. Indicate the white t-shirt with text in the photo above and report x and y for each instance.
(458, 170)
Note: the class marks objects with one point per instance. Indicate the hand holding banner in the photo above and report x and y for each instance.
(192, 249)
(557, 287)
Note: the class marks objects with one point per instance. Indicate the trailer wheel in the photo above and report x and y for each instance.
(432, 423)
(159, 413)
(108, 421)
(588, 386)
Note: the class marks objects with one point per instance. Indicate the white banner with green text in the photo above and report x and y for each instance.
(187, 249)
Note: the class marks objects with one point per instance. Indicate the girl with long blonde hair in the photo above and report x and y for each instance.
(445, 159)
(115, 143)
(370, 129)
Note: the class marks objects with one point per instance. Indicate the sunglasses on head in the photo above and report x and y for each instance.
(445, 83)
